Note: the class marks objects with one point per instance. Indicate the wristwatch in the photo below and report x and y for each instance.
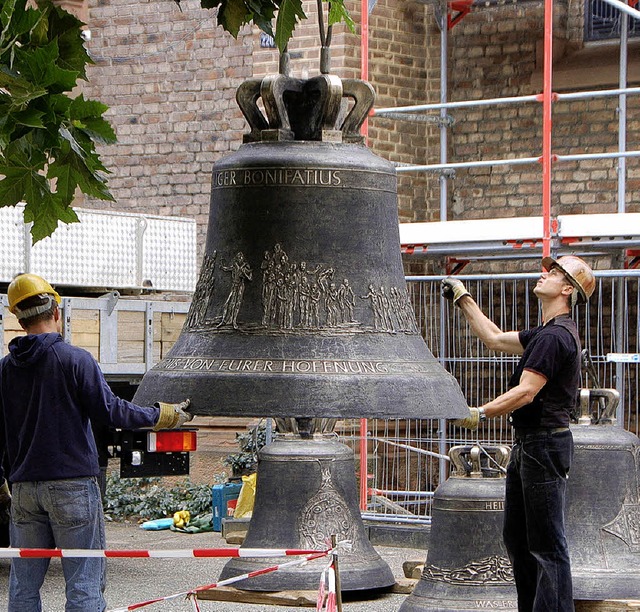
(482, 416)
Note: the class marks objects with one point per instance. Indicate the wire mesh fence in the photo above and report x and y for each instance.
(407, 457)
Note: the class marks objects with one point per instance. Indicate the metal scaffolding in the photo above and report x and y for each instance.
(433, 439)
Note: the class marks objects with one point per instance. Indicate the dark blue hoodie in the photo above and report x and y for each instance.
(49, 391)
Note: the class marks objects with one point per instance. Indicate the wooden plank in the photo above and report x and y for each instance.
(85, 327)
(10, 321)
(131, 326)
(281, 598)
(85, 340)
(166, 347)
(173, 321)
(10, 335)
(130, 351)
(404, 586)
(609, 605)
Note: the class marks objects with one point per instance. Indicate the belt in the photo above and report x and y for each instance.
(534, 431)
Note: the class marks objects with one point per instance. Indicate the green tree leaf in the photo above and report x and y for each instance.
(288, 15)
(45, 213)
(338, 13)
(232, 15)
(29, 117)
(47, 138)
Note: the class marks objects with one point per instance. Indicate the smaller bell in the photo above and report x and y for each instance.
(467, 568)
(603, 503)
(306, 493)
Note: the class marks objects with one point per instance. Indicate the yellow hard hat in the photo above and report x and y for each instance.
(25, 286)
(577, 272)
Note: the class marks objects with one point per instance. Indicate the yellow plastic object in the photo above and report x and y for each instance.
(244, 507)
(181, 518)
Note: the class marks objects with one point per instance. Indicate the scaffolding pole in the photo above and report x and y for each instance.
(364, 75)
(575, 95)
(444, 198)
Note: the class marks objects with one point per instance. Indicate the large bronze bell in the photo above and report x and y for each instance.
(301, 313)
(306, 493)
(301, 308)
(603, 503)
(467, 566)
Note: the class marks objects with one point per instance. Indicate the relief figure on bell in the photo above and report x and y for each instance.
(203, 292)
(240, 273)
(372, 295)
(295, 295)
(347, 301)
(392, 311)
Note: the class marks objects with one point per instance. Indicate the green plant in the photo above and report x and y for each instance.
(250, 443)
(148, 498)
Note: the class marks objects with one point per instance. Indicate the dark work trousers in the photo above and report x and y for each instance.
(534, 532)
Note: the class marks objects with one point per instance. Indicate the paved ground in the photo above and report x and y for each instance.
(134, 580)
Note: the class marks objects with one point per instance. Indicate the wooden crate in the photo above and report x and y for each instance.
(85, 333)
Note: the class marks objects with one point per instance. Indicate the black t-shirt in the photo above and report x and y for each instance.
(553, 351)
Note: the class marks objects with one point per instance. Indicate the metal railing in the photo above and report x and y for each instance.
(405, 461)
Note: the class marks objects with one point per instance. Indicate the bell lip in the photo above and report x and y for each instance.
(314, 397)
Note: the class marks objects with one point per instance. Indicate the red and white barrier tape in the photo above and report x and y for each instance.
(38, 553)
(191, 594)
(327, 601)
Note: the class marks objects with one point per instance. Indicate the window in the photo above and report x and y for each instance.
(602, 22)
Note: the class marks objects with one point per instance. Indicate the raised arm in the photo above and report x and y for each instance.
(481, 326)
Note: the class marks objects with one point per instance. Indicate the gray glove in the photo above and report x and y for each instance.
(5, 503)
(172, 416)
(453, 289)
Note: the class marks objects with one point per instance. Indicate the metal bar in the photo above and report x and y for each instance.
(475, 164)
(622, 113)
(604, 155)
(148, 336)
(459, 104)
(605, 93)
(578, 95)
(108, 350)
(443, 180)
(405, 493)
(444, 135)
(396, 518)
(66, 319)
(547, 109)
(521, 276)
(624, 8)
(4, 303)
(515, 162)
(364, 55)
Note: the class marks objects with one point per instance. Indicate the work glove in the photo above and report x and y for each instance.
(5, 503)
(172, 416)
(453, 289)
(470, 422)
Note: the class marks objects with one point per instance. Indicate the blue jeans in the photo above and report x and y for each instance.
(534, 533)
(57, 514)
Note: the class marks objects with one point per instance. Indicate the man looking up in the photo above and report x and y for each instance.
(542, 392)
(49, 392)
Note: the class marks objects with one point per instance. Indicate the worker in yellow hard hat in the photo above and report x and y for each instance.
(50, 393)
(542, 393)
